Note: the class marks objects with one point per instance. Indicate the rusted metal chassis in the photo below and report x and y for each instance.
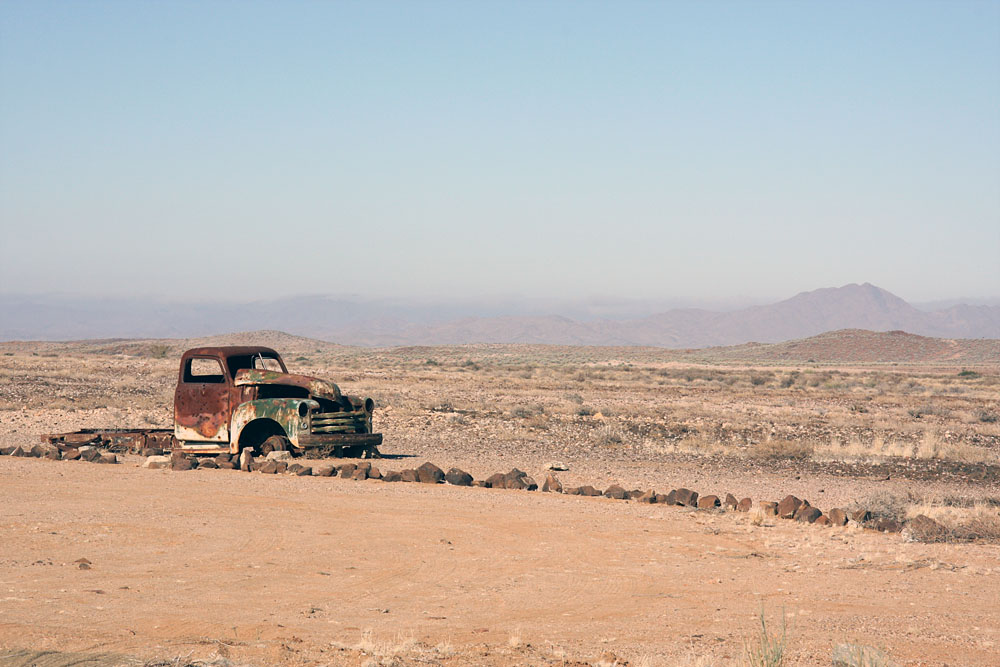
(123, 440)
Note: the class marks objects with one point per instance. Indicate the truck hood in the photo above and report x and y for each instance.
(315, 386)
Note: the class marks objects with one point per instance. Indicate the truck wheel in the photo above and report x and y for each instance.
(275, 443)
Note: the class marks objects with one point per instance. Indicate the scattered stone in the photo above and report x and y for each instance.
(687, 497)
(429, 473)
(807, 513)
(552, 484)
(922, 528)
(744, 505)
(788, 506)
(304, 471)
(228, 465)
(151, 451)
(156, 462)
(223, 458)
(515, 479)
(21, 452)
(633, 494)
(709, 502)
(887, 525)
(730, 503)
(558, 466)
(495, 481)
(837, 516)
(769, 508)
(268, 467)
(359, 474)
(279, 455)
(861, 516)
(72, 455)
(648, 497)
(588, 490)
(280, 467)
(616, 492)
(246, 460)
(366, 466)
(823, 520)
(409, 475)
(107, 458)
(7, 451)
(374, 473)
(458, 477)
(324, 471)
(663, 498)
(293, 468)
(211, 464)
(45, 450)
(347, 470)
(181, 463)
(669, 499)
(90, 455)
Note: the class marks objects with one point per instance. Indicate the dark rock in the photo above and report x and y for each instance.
(181, 463)
(227, 465)
(823, 520)
(304, 471)
(223, 458)
(586, 490)
(268, 467)
(360, 474)
(788, 506)
(709, 502)
(744, 505)
(616, 492)
(323, 471)
(7, 451)
(212, 464)
(925, 529)
(151, 451)
(45, 450)
(107, 458)
(664, 499)
(552, 484)
(347, 470)
(496, 481)
(374, 473)
(887, 525)
(519, 480)
(807, 513)
(730, 503)
(90, 455)
(458, 477)
(633, 494)
(71, 455)
(409, 475)
(686, 497)
(280, 467)
(392, 476)
(366, 466)
(669, 499)
(294, 468)
(837, 516)
(429, 473)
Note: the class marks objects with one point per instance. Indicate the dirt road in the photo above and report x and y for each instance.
(267, 570)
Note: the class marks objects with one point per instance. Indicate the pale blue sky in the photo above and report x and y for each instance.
(562, 149)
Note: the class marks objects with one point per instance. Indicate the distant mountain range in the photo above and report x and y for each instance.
(355, 322)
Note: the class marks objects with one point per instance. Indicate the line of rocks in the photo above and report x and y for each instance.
(281, 462)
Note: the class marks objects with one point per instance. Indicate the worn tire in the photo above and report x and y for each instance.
(275, 443)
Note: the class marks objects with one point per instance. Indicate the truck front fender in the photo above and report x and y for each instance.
(291, 414)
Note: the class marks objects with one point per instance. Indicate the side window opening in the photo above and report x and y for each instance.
(203, 371)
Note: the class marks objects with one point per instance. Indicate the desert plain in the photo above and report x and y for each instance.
(118, 564)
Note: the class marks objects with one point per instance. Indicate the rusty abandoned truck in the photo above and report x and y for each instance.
(242, 397)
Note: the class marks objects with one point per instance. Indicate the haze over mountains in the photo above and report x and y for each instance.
(375, 323)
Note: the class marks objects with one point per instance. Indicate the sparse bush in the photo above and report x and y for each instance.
(764, 648)
(968, 374)
(782, 449)
(585, 411)
(986, 416)
(856, 655)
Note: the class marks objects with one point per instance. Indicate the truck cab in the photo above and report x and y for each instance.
(243, 397)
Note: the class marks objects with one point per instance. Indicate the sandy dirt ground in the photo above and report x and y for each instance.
(256, 569)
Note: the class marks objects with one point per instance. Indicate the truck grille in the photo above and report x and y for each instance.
(340, 422)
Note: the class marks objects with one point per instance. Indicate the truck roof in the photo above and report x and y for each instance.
(227, 351)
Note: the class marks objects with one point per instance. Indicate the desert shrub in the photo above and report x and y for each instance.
(758, 380)
(968, 374)
(585, 411)
(782, 449)
(765, 648)
(928, 409)
(857, 655)
(986, 416)
(608, 436)
(883, 505)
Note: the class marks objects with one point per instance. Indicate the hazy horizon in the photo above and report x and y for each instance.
(696, 153)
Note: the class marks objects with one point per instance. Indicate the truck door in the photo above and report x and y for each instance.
(201, 402)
